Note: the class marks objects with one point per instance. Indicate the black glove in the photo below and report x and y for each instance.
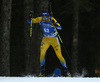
(30, 15)
(53, 22)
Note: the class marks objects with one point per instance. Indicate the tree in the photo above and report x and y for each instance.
(28, 6)
(75, 36)
(37, 34)
(32, 44)
(5, 37)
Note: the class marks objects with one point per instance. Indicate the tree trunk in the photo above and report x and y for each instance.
(28, 6)
(5, 37)
(38, 33)
(32, 48)
(75, 37)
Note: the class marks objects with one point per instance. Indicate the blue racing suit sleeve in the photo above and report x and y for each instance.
(58, 27)
(28, 21)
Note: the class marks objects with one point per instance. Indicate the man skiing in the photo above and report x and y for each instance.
(50, 37)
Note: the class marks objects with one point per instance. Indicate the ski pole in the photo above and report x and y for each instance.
(31, 15)
(31, 28)
(59, 35)
(62, 43)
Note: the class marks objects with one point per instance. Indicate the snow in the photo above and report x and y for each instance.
(48, 79)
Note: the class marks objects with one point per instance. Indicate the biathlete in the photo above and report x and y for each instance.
(50, 37)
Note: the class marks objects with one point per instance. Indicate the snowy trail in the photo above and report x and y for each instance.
(47, 79)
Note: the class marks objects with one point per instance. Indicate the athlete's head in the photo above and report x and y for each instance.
(45, 16)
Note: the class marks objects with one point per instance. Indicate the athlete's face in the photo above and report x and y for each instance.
(45, 18)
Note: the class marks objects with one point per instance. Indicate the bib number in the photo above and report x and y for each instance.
(46, 30)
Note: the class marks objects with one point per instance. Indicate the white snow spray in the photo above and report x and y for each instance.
(83, 74)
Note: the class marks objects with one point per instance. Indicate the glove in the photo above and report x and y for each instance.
(30, 15)
(53, 22)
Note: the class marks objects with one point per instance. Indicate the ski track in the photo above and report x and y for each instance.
(48, 79)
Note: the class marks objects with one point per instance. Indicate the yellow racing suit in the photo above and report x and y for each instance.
(50, 38)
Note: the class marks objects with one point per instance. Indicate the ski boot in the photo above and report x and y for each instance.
(42, 73)
(67, 73)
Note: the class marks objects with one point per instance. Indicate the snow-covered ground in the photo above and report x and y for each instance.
(48, 79)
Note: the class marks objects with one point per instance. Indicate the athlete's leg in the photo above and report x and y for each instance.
(57, 49)
(43, 48)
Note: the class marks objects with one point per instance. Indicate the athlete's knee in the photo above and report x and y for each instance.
(60, 57)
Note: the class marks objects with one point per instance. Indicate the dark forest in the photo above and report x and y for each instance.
(80, 21)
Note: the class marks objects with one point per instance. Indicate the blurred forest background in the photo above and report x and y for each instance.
(80, 21)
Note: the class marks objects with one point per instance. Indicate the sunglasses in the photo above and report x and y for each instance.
(45, 18)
